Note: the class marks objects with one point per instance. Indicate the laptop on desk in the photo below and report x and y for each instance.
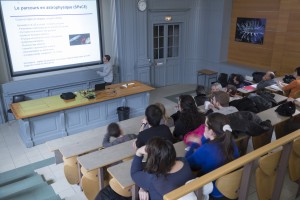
(99, 87)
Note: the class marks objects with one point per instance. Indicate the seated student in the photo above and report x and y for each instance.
(200, 97)
(220, 104)
(187, 118)
(215, 87)
(294, 87)
(267, 80)
(217, 149)
(232, 92)
(114, 130)
(166, 120)
(153, 118)
(162, 172)
(238, 81)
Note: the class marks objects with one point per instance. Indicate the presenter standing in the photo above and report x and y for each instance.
(107, 72)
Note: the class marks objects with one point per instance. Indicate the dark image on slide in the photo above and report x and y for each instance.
(79, 39)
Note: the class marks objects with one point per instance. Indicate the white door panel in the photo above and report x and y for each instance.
(165, 54)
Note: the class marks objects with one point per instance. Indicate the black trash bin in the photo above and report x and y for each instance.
(123, 113)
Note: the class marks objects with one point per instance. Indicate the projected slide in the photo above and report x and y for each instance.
(50, 34)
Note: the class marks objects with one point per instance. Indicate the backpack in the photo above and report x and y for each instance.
(269, 96)
(286, 109)
(257, 76)
(288, 79)
(260, 102)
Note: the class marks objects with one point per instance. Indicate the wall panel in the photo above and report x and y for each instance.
(281, 49)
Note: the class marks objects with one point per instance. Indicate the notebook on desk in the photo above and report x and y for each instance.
(99, 87)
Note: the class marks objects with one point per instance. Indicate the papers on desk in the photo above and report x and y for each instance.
(127, 85)
(275, 87)
(249, 87)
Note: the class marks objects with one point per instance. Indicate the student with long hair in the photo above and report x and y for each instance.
(187, 118)
(163, 172)
(166, 119)
(114, 131)
(217, 149)
(200, 97)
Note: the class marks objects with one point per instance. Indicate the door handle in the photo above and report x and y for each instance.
(160, 63)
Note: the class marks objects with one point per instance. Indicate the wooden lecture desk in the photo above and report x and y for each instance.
(44, 119)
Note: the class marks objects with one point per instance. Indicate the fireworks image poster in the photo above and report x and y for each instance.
(250, 30)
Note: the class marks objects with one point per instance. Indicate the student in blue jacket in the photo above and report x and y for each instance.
(217, 149)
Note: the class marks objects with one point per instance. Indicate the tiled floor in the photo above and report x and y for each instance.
(14, 154)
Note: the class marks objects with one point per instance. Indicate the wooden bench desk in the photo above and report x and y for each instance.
(277, 120)
(105, 157)
(73, 141)
(279, 98)
(121, 172)
(81, 147)
(76, 141)
(274, 117)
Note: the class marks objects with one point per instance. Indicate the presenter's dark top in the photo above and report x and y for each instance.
(162, 131)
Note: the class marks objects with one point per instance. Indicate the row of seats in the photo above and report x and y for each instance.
(270, 172)
(265, 174)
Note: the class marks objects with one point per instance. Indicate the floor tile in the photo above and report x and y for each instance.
(66, 193)
(6, 165)
(21, 162)
(47, 173)
(61, 185)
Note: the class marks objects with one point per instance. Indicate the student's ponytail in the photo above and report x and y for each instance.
(227, 145)
(219, 123)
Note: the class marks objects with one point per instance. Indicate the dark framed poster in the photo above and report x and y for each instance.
(250, 30)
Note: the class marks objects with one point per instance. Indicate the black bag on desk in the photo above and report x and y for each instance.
(257, 76)
(288, 78)
(286, 109)
(67, 96)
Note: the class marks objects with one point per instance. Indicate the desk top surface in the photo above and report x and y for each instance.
(106, 156)
(274, 116)
(51, 104)
(206, 72)
(81, 146)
